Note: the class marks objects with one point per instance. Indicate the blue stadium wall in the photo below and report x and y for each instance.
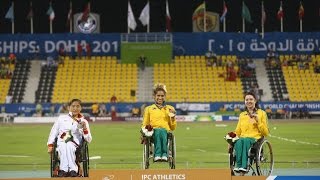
(240, 44)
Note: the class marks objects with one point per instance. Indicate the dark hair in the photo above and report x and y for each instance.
(74, 100)
(254, 96)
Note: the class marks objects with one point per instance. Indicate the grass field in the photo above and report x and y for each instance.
(199, 145)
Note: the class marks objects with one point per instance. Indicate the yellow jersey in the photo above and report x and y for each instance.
(248, 127)
(159, 117)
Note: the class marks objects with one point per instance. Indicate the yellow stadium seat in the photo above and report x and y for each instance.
(99, 77)
(193, 80)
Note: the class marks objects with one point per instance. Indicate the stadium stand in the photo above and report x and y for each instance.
(46, 83)
(4, 87)
(277, 83)
(248, 81)
(19, 80)
(247, 74)
(189, 78)
(95, 80)
(6, 69)
(302, 83)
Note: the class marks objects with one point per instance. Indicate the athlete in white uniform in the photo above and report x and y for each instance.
(69, 128)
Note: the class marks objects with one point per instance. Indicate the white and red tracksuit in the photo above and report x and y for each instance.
(67, 150)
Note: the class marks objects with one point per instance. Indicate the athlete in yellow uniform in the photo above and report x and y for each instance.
(162, 118)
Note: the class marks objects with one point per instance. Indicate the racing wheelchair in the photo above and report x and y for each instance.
(82, 160)
(260, 159)
(148, 151)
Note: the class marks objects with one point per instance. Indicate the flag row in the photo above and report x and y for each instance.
(246, 15)
(145, 17)
(246, 12)
(145, 14)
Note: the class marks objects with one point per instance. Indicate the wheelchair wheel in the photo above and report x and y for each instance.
(264, 159)
(231, 161)
(52, 165)
(54, 161)
(146, 151)
(172, 152)
(85, 160)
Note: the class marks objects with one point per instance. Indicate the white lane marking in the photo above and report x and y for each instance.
(221, 125)
(13, 156)
(201, 150)
(94, 157)
(294, 141)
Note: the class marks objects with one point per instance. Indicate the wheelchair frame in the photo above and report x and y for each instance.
(260, 159)
(82, 158)
(148, 150)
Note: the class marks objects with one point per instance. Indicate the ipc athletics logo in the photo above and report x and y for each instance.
(88, 26)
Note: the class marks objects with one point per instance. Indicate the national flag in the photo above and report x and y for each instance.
(70, 12)
(30, 13)
(168, 18)
(132, 24)
(301, 11)
(199, 12)
(50, 13)
(69, 17)
(280, 12)
(86, 13)
(263, 14)
(246, 13)
(145, 15)
(224, 13)
(9, 14)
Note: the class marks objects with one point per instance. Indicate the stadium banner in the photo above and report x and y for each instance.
(24, 46)
(179, 118)
(294, 106)
(155, 52)
(199, 118)
(163, 174)
(240, 44)
(194, 106)
(245, 44)
(24, 109)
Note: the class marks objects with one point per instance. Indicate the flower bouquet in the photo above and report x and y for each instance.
(66, 136)
(231, 138)
(147, 130)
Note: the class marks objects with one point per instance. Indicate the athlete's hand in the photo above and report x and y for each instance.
(84, 125)
(172, 113)
(50, 149)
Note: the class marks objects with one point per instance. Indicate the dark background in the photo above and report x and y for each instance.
(113, 15)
